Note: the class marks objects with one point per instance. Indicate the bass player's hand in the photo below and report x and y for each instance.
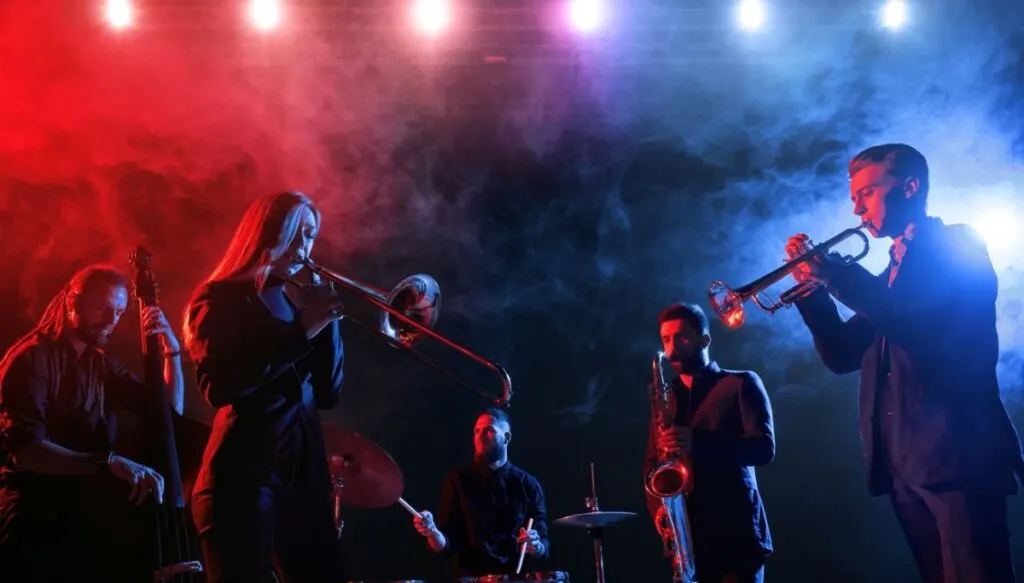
(144, 480)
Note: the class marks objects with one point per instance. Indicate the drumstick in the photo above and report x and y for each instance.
(522, 551)
(409, 508)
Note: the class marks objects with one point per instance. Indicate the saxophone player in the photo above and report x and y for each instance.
(721, 429)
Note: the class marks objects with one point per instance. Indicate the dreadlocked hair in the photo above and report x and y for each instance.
(54, 318)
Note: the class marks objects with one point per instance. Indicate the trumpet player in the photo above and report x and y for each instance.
(723, 429)
(937, 439)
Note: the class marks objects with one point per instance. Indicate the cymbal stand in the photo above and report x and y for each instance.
(339, 522)
(596, 533)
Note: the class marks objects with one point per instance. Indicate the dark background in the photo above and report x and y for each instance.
(561, 197)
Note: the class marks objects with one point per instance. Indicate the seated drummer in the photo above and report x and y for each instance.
(485, 508)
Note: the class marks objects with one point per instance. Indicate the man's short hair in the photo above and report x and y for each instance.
(498, 415)
(902, 161)
(691, 314)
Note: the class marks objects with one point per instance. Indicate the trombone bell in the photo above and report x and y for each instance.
(408, 315)
(418, 297)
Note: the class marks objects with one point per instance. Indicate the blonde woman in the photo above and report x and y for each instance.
(267, 364)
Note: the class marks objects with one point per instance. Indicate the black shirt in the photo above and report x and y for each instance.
(53, 523)
(267, 381)
(49, 392)
(481, 512)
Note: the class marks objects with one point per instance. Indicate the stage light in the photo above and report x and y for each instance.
(119, 13)
(265, 14)
(894, 14)
(750, 14)
(586, 15)
(997, 226)
(431, 16)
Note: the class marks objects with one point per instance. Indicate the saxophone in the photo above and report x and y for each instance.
(669, 481)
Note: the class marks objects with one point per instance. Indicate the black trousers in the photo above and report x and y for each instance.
(956, 536)
(247, 532)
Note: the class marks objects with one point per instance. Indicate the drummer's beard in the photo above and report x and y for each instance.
(491, 454)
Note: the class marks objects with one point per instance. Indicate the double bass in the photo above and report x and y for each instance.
(173, 553)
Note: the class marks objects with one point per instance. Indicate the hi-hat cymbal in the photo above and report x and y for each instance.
(597, 519)
(371, 478)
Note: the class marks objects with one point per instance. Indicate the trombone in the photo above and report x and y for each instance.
(728, 302)
(408, 314)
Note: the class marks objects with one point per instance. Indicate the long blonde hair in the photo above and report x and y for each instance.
(264, 234)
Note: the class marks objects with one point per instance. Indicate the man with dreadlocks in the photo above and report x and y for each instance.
(58, 392)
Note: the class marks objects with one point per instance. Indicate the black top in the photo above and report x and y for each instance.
(930, 339)
(48, 392)
(480, 514)
(267, 382)
(733, 431)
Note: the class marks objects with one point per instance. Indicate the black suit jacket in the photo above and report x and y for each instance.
(733, 431)
(267, 381)
(932, 337)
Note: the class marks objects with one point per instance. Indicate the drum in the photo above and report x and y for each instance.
(529, 577)
(546, 577)
(390, 581)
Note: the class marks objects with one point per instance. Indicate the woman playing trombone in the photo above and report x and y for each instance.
(266, 365)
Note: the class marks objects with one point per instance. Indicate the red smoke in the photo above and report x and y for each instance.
(162, 133)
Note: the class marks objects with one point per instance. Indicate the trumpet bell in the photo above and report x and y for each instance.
(417, 297)
(727, 304)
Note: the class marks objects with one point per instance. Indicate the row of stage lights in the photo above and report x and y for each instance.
(433, 16)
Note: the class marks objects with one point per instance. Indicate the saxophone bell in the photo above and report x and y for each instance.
(667, 479)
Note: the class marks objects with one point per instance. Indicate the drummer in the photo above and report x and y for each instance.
(486, 506)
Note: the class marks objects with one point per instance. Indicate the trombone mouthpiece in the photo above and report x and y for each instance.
(303, 261)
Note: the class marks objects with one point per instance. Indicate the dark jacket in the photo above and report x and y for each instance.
(266, 380)
(481, 512)
(931, 338)
(733, 431)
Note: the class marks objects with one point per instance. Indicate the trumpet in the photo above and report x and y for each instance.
(728, 302)
(408, 314)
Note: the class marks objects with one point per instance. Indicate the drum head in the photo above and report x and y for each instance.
(546, 577)
(389, 581)
(528, 577)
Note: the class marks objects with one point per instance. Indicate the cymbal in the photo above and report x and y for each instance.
(597, 519)
(371, 479)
